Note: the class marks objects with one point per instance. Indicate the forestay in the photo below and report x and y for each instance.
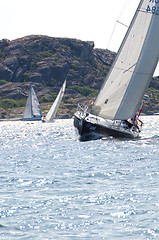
(53, 110)
(133, 68)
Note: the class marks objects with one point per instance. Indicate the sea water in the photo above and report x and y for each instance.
(52, 186)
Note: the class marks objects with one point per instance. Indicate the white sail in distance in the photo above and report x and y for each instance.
(134, 65)
(53, 110)
(32, 109)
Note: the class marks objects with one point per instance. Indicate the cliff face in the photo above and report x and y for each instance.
(45, 61)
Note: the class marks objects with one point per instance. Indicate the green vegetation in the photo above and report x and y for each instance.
(49, 99)
(10, 103)
(49, 58)
(85, 91)
(26, 76)
(37, 57)
(106, 69)
(46, 99)
(152, 103)
(3, 45)
(2, 82)
(21, 102)
(67, 101)
(51, 82)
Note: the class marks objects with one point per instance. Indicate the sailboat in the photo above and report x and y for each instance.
(32, 110)
(53, 110)
(122, 92)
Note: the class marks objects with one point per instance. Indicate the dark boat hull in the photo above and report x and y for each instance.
(88, 130)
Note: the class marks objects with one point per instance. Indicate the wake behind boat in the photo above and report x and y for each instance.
(32, 110)
(122, 92)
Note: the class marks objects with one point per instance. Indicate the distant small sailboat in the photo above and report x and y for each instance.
(53, 110)
(32, 110)
(122, 92)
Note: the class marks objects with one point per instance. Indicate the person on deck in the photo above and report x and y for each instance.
(135, 121)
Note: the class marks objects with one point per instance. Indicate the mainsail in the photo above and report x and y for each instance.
(53, 110)
(133, 68)
(32, 109)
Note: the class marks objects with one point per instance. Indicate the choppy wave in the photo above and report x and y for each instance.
(53, 186)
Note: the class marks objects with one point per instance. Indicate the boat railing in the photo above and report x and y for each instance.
(82, 108)
(116, 124)
(93, 119)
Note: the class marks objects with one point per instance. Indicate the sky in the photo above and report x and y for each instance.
(87, 20)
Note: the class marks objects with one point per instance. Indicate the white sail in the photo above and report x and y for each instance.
(53, 110)
(28, 108)
(133, 68)
(32, 109)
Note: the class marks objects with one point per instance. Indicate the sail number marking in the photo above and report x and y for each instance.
(156, 1)
(153, 10)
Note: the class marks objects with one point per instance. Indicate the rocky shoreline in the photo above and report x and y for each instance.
(45, 61)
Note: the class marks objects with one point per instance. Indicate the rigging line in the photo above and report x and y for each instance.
(122, 24)
(111, 35)
(146, 74)
(129, 68)
(125, 5)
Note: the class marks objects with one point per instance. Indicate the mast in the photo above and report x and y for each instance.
(134, 65)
